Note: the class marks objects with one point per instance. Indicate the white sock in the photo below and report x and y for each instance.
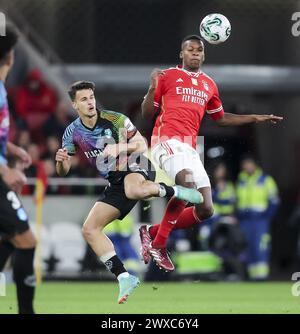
(105, 257)
(162, 191)
(123, 275)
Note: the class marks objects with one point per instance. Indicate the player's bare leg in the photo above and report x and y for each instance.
(137, 187)
(205, 210)
(101, 215)
(24, 241)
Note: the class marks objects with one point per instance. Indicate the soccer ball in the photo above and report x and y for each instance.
(215, 28)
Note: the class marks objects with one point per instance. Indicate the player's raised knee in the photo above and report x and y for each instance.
(185, 178)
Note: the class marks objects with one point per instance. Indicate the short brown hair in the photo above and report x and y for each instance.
(80, 85)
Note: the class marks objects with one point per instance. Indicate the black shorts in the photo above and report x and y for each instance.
(13, 217)
(114, 193)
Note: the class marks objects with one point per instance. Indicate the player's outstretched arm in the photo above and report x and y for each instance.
(63, 162)
(229, 119)
(148, 109)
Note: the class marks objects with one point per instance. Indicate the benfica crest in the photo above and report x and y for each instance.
(205, 85)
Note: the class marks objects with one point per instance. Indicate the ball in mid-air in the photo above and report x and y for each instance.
(215, 28)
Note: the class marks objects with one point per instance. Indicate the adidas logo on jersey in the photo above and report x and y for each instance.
(179, 80)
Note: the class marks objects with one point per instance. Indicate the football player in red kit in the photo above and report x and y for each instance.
(183, 95)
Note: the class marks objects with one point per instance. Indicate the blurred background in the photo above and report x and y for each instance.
(116, 44)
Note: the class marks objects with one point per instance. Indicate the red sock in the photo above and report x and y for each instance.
(174, 209)
(187, 218)
(153, 230)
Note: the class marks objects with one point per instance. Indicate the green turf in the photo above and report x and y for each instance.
(166, 298)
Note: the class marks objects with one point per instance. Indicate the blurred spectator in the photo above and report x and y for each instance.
(23, 139)
(16, 122)
(223, 192)
(34, 152)
(224, 198)
(257, 201)
(294, 223)
(58, 121)
(52, 145)
(77, 170)
(35, 101)
(225, 237)
(49, 167)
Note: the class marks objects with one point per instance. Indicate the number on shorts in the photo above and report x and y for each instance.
(12, 197)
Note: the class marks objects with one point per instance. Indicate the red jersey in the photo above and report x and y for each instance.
(183, 98)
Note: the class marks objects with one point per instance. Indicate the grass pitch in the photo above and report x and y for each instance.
(165, 298)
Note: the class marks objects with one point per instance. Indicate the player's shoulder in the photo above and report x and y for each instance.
(171, 70)
(209, 81)
(117, 119)
(171, 73)
(208, 78)
(111, 115)
(71, 127)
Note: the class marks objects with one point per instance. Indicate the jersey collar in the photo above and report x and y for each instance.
(93, 128)
(191, 74)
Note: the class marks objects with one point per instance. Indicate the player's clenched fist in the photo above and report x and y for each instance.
(63, 162)
(156, 73)
(62, 155)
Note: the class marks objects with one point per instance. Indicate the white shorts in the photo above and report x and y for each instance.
(173, 156)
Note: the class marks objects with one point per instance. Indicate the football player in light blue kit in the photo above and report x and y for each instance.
(112, 144)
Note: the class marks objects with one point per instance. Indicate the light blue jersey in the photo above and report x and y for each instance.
(111, 128)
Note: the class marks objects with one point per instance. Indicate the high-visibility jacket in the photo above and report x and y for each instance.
(257, 195)
(123, 227)
(224, 199)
